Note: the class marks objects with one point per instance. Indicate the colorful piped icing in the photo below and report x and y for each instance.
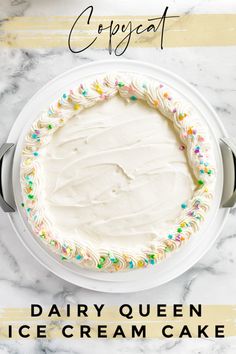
(194, 141)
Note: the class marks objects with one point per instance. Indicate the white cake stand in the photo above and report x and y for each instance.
(135, 280)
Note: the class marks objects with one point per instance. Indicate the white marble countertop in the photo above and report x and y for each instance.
(22, 279)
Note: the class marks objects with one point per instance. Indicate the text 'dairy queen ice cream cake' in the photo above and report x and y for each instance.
(117, 173)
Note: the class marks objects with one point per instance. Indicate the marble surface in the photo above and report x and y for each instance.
(22, 279)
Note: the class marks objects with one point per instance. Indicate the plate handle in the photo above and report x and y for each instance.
(3, 203)
(228, 150)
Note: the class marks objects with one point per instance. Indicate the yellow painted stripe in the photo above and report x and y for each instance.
(52, 32)
(212, 315)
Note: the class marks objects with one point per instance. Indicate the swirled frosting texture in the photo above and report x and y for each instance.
(117, 186)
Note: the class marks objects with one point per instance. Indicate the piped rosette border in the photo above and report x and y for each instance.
(195, 141)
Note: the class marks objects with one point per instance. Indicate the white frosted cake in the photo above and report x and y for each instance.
(117, 173)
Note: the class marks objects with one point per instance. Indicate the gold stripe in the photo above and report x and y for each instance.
(52, 32)
(212, 315)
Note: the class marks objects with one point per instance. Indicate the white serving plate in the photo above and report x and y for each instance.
(135, 280)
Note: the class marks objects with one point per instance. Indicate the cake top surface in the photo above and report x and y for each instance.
(117, 173)
(110, 175)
